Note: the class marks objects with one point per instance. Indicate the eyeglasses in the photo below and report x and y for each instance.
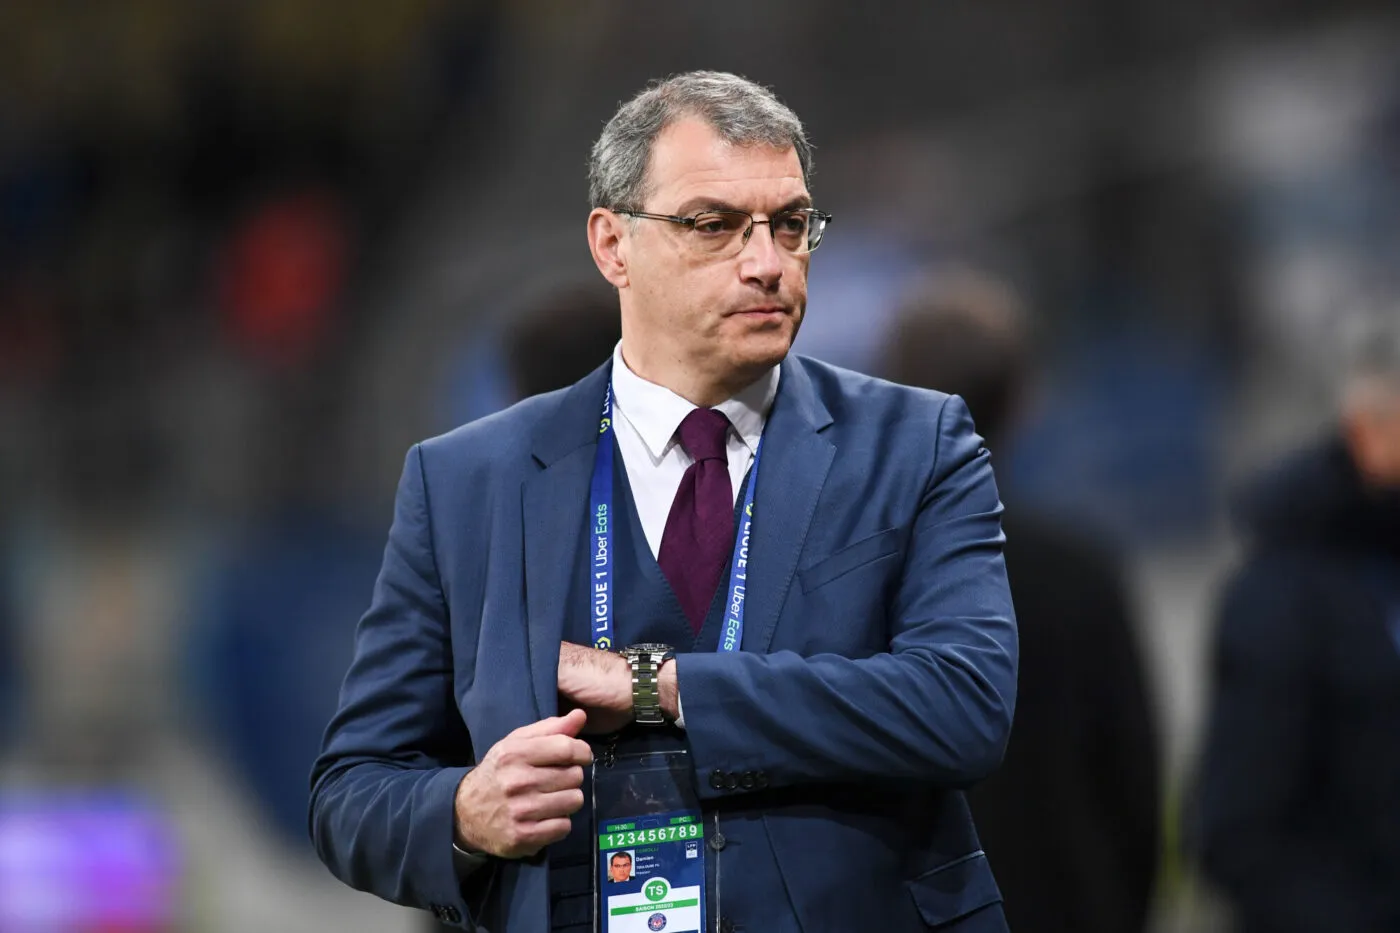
(724, 234)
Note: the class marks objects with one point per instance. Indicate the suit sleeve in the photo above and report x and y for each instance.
(937, 707)
(1259, 842)
(382, 790)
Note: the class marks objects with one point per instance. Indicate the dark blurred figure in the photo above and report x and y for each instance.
(553, 343)
(1070, 820)
(1300, 781)
(562, 338)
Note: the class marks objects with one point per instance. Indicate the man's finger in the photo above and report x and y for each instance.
(560, 803)
(556, 751)
(550, 779)
(571, 723)
(548, 832)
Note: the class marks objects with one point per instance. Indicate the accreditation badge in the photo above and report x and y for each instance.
(649, 873)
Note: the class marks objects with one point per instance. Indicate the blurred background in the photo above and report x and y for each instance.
(251, 251)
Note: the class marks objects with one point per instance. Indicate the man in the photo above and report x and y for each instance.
(877, 672)
(620, 867)
(1300, 777)
(1080, 786)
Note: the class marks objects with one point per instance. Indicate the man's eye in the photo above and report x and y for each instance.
(720, 224)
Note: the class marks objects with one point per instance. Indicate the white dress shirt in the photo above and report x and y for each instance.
(651, 450)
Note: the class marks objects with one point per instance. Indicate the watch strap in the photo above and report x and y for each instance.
(646, 661)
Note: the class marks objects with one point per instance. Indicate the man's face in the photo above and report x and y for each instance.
(717, 316)
(1374, 433)
(620, 868)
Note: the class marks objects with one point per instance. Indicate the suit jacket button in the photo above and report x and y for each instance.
(717, 841)
(747, 780)
(717, 779)
(730, 781)
(435, 910)
(726, 925)
(760, 780)
(451, 914)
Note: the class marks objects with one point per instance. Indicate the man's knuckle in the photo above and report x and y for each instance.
(528, 841)
(517, 781)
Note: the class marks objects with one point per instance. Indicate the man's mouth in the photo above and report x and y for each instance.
(763, 311)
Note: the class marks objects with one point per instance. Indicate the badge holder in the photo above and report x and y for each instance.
(649, 868)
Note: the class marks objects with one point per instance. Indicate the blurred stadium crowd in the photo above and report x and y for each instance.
(249, 252)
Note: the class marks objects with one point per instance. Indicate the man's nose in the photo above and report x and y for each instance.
(761, 260)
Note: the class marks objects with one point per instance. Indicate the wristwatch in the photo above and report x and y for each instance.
(646, 660)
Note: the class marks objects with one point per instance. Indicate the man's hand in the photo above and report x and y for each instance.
(599, 682)
(519, 798)
(669, 690)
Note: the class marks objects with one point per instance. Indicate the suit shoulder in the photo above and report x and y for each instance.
(843, 390)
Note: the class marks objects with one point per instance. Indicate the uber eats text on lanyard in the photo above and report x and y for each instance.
(600, 525)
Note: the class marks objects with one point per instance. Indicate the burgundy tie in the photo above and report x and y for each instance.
(700, 529)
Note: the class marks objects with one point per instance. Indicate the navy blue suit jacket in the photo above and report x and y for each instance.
(877, 677)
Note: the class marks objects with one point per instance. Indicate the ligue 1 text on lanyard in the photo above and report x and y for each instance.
(600, 519)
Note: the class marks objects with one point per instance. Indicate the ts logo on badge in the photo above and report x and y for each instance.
(656, 922)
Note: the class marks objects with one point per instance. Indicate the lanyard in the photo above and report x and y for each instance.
(600, 518)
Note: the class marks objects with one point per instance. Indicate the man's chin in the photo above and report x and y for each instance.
(752, 366)
(762, 350)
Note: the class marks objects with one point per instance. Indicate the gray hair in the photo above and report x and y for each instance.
(741, 112)
(1371, 359)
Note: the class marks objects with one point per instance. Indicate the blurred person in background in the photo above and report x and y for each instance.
(877, 678)
(560, 339)
(1299, 796)
(1071, 818)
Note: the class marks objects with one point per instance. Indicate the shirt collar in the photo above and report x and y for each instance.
(657, 412)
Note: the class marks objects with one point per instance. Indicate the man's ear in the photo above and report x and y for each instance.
(606, 241)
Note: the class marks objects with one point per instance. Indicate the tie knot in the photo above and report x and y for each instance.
(703, 434)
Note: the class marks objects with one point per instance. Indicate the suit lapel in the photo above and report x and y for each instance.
(555, 505)
(791, 474)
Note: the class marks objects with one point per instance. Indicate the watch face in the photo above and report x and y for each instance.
(647, 648)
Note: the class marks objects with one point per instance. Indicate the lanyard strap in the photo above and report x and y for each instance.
(600, 522)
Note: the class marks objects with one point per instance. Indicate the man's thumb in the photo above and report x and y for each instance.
(571, 723)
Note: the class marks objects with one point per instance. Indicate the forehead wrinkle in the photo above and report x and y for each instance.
(718, 191)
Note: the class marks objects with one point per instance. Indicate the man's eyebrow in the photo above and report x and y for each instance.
(796, 203)
(703, 203)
